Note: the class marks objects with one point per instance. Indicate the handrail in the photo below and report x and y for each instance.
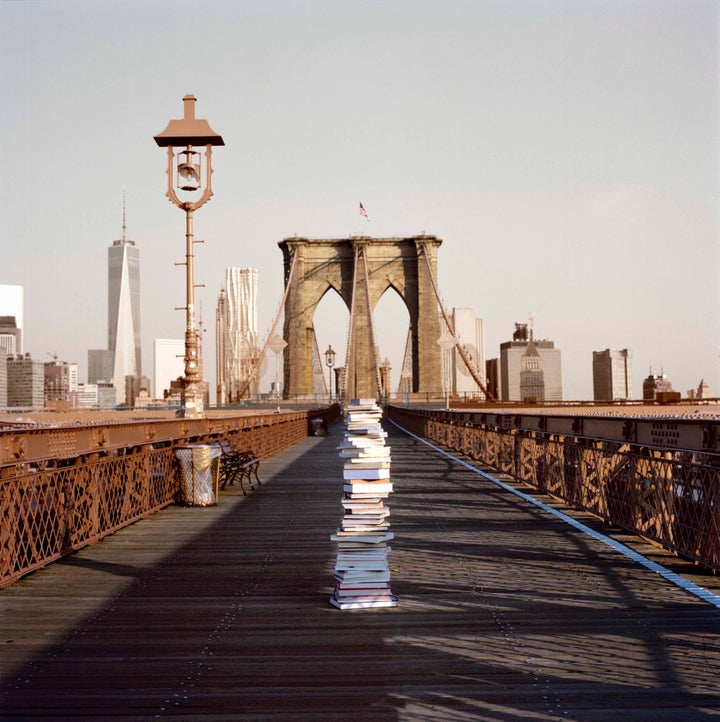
(658, 479)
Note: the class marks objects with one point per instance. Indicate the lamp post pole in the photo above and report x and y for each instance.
(184, 173)
(193, 381)
(330, 361)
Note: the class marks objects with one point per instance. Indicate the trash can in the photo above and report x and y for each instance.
(200, 470)
(318, 427)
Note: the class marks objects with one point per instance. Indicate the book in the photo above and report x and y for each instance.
(363, 504)
(369, 537)
(373, 564)
(357, 486)
(368, 461)
(354, 588)
(356, 576)
(341, 604)
(365, 474)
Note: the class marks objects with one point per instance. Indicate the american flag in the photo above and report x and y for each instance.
(363, 212)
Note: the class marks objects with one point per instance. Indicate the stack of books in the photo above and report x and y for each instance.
(362, 574)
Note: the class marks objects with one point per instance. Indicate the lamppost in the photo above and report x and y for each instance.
(330, 361)
(184, 173)
(385, 379)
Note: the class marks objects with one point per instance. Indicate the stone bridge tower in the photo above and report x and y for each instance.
(361, 270)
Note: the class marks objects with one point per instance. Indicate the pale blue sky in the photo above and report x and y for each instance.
(566, 151)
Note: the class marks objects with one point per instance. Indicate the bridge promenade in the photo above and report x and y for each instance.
(506, 612)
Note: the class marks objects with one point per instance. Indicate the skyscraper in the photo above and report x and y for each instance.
(532, 376)
(124, 310)
(612, 375)
(25, 381)
(11, 321)
(236, 335)
(100, 365)
(469, 333)
(511, 364)
(61, 380)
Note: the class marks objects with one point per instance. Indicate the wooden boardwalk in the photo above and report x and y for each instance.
(221, 613)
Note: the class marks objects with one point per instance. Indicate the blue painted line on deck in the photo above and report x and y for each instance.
(667, 574)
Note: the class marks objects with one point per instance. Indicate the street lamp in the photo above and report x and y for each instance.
(385, 368)
(185, 173)
(330, 361)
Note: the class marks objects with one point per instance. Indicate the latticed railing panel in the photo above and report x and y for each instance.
(61, 490)
(48, 512)
(670, 496)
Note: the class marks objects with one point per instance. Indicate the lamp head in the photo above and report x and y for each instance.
(188, 170)
(330, 356)
(189, 130)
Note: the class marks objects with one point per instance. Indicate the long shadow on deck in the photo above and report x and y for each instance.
(505, 614)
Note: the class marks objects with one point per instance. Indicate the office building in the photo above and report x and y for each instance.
(124, 311)
(236, 336)
(87, 397)
(137, 391)
(168, 361)
(100, 366)
(99, 395)
(532, 374)
(10, 336)
(11, 319)
(612, 375)
(3, 380)
(515, 357)
(469, 333)
(61, 382)
(493, 382)
(701, 392)
(25, 381)
(656, 384)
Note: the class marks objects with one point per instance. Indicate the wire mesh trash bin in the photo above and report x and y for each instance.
(318, 427)
(200, 472)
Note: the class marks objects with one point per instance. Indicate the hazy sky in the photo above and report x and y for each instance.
(566, 151)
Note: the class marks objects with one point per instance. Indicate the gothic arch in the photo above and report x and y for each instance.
(361, 270)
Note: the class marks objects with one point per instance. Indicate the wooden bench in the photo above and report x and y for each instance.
(237, 465)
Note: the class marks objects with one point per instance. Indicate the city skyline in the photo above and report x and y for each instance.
(566, 153)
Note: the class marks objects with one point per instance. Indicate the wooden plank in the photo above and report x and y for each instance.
(219, 613)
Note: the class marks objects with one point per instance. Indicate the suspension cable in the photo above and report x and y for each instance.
(254, 370)
(448, 323)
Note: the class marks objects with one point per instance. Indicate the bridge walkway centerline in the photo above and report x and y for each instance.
(222, 612)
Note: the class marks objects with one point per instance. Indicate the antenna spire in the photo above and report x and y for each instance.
(123, 223)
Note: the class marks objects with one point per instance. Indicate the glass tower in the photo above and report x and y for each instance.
(236, 336)
(124, 311)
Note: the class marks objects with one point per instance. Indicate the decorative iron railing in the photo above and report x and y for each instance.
(665, 493)
(64, 488)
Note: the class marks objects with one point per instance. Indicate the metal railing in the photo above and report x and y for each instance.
(669, 495)
(64, 488)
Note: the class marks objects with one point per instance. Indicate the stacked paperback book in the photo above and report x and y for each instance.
(362, 574)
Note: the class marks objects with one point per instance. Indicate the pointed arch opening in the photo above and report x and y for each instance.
(330, 322)
(391, 321)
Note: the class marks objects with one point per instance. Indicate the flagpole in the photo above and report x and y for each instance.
(362, 212)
